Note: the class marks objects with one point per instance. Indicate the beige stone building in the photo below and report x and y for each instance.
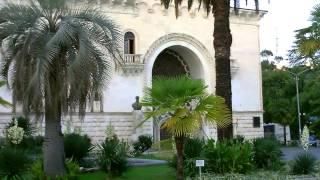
(158, 43)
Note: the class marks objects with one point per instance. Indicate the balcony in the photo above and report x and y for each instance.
(133, 64)
(133, 59)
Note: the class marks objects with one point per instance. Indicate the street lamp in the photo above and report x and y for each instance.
(296, 77)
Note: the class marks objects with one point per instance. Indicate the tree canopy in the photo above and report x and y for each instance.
(307, 45)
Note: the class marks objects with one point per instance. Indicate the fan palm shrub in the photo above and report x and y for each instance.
(55, 59)
(185, 106)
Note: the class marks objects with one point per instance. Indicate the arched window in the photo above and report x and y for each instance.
(129, 43)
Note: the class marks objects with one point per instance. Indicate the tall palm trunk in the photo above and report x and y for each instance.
(179, 140)
(222, 43)
(54, 158)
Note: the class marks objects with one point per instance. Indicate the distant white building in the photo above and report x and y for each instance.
(156, 43)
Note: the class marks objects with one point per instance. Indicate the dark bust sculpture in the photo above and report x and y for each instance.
(136, 105)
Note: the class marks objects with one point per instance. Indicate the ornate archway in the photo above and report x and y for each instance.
(187, 45)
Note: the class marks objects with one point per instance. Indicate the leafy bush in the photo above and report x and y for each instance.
(77, 146)
(24, 123)
(73, 170)
(144, 143)
(193, 147)
(32, 144)
(112, 157)
(267, 153)
(2, 142)
(37, 170)
(228, 157)
(13, 162)
(304, 164)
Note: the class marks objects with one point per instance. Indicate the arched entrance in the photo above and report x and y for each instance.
(177, 54)
(169, 63)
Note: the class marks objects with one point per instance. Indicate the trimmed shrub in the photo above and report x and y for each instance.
(13, 163)
(267, 153)
(228, 157)
(144, 143)
(304, 163)
(77, 146)
(112, 156)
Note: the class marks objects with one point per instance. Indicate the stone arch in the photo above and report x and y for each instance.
(190, 44)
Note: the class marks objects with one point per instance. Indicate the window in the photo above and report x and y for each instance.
(256, 122)
(129, 43)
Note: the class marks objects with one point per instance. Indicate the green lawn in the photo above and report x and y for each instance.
(162, 172)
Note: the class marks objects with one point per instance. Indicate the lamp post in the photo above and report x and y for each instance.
(296, 77)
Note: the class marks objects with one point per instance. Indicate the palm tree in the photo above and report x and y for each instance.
(56, 59)
(307, 46)
(222, 44)
(185, 107)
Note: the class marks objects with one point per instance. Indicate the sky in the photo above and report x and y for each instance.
(282, 19)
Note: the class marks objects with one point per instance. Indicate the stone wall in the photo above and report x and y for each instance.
(94, 125)
(125, 125)
(243, 124)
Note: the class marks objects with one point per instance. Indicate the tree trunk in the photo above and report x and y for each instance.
(222, 43)
(54, 157)
(179, 146)
(284, 135)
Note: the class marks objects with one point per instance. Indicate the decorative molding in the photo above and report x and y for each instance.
(180, 59)
(178, 37)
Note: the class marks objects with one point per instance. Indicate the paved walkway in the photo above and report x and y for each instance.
(145, 162)
(289, 153)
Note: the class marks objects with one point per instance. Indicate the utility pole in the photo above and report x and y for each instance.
(296, 77)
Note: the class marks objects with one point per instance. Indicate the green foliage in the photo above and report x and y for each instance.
(304, 163)
(32, 144)
(278, 96)
(2, 142)
(193, 147)
(13, 162)
(37, 170)
(112, 156)
(73, 171)
(77, 146)
(267, 153)
(228, 157)
(307, 46)
(25, 124)
(144, 143)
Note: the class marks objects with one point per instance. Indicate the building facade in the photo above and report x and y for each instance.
(155, 42)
